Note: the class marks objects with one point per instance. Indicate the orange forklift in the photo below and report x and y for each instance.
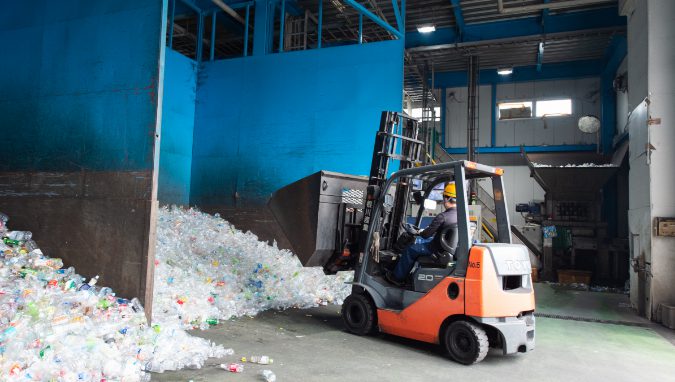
(467, 297)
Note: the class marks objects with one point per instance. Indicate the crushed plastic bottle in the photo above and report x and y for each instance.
(232, 367)
(268, 376)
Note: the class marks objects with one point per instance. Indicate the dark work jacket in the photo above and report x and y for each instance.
(442, 220)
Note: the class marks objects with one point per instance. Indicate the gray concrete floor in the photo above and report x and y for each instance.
(311, 345)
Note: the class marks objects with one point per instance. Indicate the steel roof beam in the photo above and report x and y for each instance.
(361, 9)
(459, 18)
(527, 26)
(546, 5)
(570, 69)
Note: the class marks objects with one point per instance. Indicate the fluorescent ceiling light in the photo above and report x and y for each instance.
(426, 28)
(504, 71)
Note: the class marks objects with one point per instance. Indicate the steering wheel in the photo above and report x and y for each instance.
(449, 238)
(411, 229)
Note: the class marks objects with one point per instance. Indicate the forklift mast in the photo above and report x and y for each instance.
(396, 140)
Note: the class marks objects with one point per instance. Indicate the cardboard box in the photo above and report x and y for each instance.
(570, 276)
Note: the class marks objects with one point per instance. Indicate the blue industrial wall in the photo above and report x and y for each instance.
(178, 117)
(80, 84)
(77, 84)
(265, 121)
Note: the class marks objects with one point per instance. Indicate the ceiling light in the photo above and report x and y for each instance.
(426, 28)
(504, 71)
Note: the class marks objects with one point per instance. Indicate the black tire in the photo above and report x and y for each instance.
(358, 314)
(465, 342)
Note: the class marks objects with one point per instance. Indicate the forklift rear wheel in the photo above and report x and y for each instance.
(466, 342)
(358, 313)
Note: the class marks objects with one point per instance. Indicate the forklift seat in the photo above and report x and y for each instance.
(441, 259)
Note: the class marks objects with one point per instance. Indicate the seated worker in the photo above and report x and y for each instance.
(426, 248)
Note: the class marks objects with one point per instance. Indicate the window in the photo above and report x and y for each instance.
(512, 110)
(417, 113)
(554, 107)
(542, 108)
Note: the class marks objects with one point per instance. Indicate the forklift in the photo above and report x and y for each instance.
(468, 297)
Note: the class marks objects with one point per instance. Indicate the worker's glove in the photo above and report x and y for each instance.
(411, 229)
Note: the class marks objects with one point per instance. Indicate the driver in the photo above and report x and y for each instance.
(426, 248)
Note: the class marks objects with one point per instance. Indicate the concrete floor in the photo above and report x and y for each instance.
(311, 345)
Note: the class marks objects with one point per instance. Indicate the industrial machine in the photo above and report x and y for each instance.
(572, 233)
(471, 296)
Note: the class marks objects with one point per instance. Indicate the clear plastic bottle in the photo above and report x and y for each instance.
(135, 305)
(268, 376)
(261, 359)
(30, 245)
(20, 235)
(90, 284)
(3, 222)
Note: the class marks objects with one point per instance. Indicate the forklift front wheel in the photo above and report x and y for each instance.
(466, 342)
(359, 315)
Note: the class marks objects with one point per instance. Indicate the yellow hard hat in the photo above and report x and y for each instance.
(450, 190)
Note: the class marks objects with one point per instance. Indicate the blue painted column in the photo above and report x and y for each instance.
(320, 26)
(261, 32)
(200, 38)
(171, 22)
(443, 109)
(212, 52)
(282, 21)
(493, 124)
(246, 27)
(616, 54)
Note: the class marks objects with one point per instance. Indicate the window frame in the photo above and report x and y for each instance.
(534, 108)
(515, 101)
(553, 99)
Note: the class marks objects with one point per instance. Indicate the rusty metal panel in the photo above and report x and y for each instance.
(97, 222)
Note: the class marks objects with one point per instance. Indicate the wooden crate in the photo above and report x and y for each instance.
(570, 276)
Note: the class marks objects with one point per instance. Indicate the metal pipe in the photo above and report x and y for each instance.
(228, 10)
(320, 22)
(397, 15)
(539, 7)
(373, 17)
(212, 43)
(246, 31)
(282, 22)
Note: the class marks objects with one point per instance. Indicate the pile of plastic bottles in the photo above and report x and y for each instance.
(206, 271)
(56, 325)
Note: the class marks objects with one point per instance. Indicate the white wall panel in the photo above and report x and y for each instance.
(456, 116)
(585, 95)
